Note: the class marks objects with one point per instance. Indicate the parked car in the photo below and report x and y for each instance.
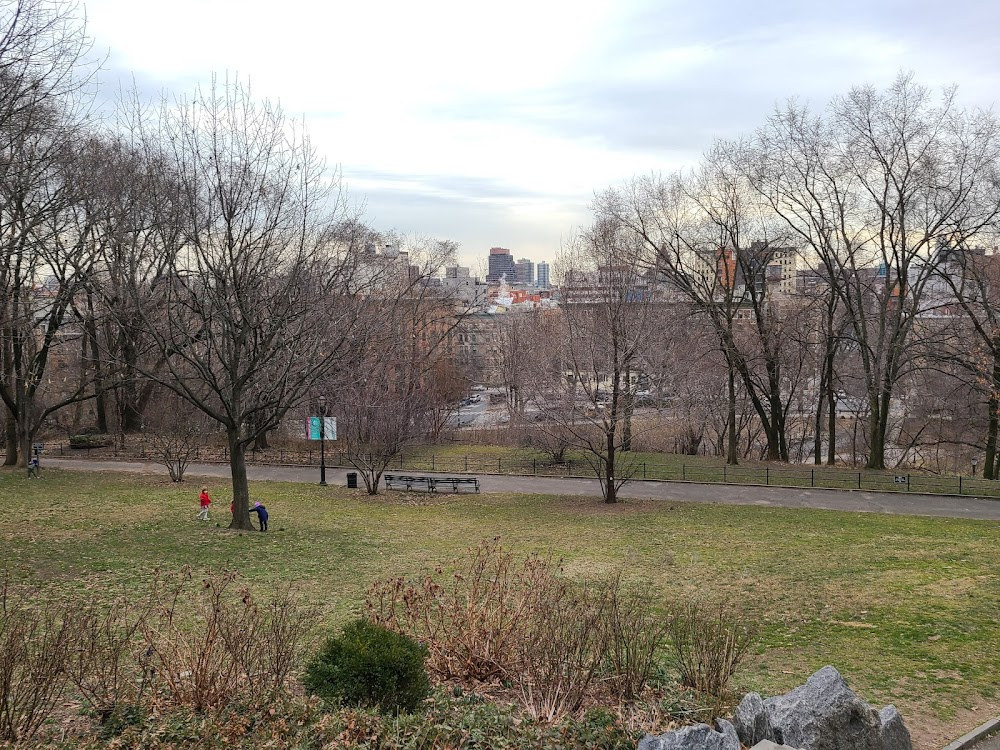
(479, 388)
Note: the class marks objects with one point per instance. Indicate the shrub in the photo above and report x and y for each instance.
(104, 663)
(370, 665)
(471, 622)
(210, 644)
(35, 646)
(524, 623)
(709, 643)
(638, 631)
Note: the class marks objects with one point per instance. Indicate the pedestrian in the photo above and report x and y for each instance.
(204, 500)
(261, 512)
(34, 470)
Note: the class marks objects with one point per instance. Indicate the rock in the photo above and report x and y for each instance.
(697, 737)
(728, 731)
(824, 714)
(750, 720)
(895, 736)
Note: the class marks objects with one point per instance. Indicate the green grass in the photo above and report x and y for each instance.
(906, 607)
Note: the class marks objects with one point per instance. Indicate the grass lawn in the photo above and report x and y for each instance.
(907, 608)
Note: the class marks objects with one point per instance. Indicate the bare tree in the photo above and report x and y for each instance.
(870, 190)
(258, 296)
(44, 78)
(393, 391)
(584, 387)
(714, 246)
(176, 433)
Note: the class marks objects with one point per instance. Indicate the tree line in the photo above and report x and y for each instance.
(832, 260)
(196, 251)
(194, 263)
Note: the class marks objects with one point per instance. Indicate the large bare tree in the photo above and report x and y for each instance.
(44, 98)
(869, 190)
(258, 294)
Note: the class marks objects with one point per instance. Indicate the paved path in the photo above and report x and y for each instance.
(872, 502)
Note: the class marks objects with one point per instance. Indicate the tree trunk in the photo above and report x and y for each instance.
(990, 460)
(24, 435)
(241, 488)
(831, 429)
(731, 457)
(100, 406)
(610, 491)
(879, 424)
(818, 426)
(10, 438)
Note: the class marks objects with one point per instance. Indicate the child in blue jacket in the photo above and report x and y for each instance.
(261, 512)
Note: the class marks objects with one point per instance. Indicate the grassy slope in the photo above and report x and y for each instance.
(907, 608)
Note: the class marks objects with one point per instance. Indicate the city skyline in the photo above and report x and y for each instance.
(456, 122)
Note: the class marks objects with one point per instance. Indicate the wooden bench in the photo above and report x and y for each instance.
(431, 484)
(456, 482)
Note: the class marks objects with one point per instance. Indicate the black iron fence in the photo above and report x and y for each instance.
(784, 476)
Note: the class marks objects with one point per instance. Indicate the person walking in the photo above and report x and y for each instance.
(204, 501)
(261, 512)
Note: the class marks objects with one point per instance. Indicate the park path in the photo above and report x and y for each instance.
(784, 497)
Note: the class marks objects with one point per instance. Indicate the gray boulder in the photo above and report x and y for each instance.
(697, 737)
(825, 714)
(750, 720)
(895, 735)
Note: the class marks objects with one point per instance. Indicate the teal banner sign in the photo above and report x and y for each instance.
(316, 429)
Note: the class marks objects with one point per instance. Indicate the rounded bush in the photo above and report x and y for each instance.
(369, 665)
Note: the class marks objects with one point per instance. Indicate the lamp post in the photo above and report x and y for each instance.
(322, 441)
(975, 463)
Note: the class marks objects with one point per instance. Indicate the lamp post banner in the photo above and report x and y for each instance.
(315, 430)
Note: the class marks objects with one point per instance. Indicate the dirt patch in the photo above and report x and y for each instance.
(932, 733)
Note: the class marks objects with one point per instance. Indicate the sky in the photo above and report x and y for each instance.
(494, 124)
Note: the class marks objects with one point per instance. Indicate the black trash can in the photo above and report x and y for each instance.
(352, 480)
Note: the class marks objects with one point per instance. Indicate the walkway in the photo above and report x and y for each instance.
(869, 502)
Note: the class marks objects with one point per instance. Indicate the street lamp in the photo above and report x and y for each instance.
(322, 441)
(975, 463)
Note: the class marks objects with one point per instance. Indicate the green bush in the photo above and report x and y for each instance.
(369, 665)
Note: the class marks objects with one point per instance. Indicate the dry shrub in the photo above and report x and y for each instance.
(638, 631)
(472, 626)
(105, 663)
(210, 643)
(523, 622)
(35, 646)
(709, 643)
(562, 649)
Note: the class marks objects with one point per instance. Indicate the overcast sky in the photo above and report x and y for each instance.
(494, 123)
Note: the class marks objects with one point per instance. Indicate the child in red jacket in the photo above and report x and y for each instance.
(205, 501)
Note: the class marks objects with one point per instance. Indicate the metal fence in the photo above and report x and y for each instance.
(790, 476)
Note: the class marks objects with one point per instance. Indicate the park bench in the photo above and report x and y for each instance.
(456, 482)
(398, 481)
(431, 484)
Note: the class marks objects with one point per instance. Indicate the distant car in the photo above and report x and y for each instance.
(479, 388)
(476, 399)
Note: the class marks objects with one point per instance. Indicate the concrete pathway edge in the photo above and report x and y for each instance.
(968, 740)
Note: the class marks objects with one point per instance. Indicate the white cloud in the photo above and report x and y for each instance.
(495, 123)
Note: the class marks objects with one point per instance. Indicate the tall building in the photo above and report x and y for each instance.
(456, 272)
(500, 262)
(542, 282)
(524, 272)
